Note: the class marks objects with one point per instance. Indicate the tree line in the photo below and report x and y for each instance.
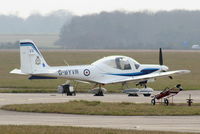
(178, 29)
(35, 23)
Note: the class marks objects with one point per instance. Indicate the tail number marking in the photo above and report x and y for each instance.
(68, 72)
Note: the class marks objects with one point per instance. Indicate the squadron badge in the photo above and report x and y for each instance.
(37, 60)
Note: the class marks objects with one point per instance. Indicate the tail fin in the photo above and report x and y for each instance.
(32, 60)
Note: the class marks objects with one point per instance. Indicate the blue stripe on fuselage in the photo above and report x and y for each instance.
(142, 72)
(29, 44)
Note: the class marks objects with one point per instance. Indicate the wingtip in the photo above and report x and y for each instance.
(185, 71)
(188, 71)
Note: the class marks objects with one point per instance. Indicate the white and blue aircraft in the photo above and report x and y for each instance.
(108, 70)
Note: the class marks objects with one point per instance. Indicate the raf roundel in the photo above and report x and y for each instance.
(86, 72)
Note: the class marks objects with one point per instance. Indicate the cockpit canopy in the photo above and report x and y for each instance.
(118, 62)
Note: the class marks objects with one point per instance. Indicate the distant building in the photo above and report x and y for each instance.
(195, 46)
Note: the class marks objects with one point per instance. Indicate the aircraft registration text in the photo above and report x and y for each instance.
(68, 72)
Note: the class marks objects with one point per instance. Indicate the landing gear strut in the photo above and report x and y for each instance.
(142, 83)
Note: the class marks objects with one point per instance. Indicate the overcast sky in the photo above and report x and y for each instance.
(24, 8)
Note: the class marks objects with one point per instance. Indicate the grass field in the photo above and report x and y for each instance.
(107, 108)
(173, 59)
(22, 129)
(27, 90)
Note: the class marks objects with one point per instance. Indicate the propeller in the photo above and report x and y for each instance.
(161, 61)
(160, 57)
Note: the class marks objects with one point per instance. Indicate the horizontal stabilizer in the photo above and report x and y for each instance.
(40, 77)
(17, 71)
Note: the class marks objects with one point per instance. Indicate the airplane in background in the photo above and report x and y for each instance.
(108, 70)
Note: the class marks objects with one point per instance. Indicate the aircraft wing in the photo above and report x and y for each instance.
(145, 77)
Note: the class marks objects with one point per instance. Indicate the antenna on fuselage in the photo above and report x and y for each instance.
(66, 62)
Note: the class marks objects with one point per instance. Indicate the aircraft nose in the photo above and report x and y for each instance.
(164, 68)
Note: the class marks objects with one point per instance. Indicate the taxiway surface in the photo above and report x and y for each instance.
(164, 123)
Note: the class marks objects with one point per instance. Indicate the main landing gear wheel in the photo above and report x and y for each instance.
(153, 101)
(133, 95)
(166, 102)
(100, 92)
(147, 95)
